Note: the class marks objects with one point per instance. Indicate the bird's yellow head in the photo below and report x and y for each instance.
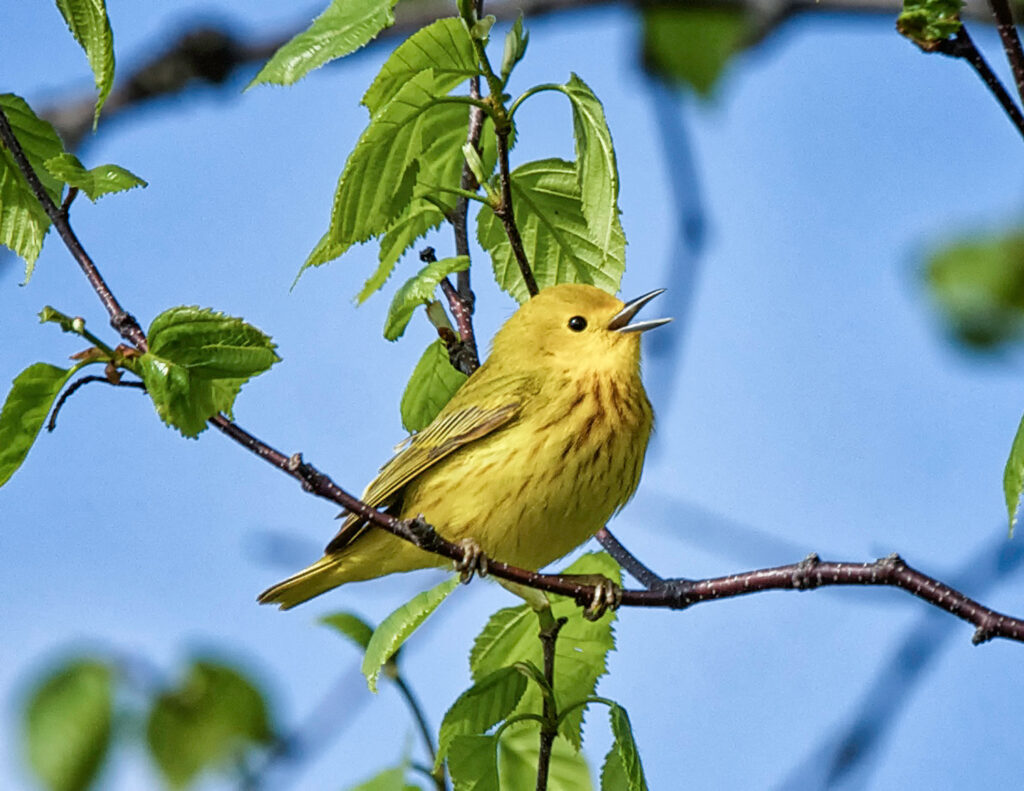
(575, 327)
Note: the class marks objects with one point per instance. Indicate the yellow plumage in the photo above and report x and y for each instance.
(530, 458)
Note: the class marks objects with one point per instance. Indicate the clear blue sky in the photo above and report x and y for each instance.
(812, 402)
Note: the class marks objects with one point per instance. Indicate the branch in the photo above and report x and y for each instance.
(505, 213)
(676, 594)
(628, 560)
(1011, 41)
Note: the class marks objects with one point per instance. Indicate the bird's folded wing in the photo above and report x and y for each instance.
(451, 430)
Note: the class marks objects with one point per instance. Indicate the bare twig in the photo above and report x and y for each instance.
(962, 46)
(70, 391)
(628, 560)
(505, 213)
(421, 722)
(1011, 41)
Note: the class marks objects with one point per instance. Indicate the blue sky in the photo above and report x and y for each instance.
(811, 400)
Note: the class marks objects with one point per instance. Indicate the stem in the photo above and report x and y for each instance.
(122, 321)
(78, 383)
(424, 728)
(506, 214)
(548, 86)
(1011, 41)
(549, 728)
(962, 46)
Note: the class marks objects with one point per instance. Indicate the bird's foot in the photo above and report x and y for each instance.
(607, 595)
(474, 561)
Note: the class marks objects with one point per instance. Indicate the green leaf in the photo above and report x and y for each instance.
(519, 753)
(324, 252)
(23, 222)
(87, 20)
(622, 767)
(209, 722)
(419, 290)
(595, 160)
(67, 724)
(198, 359)
(978, 285)
(473, 764)
(380, 174)
(344, 27)
(1013, 475)
(25, 409)
(351, 626)
(416, 219)
(558, 242)
(693, 45)
(927, 22)
(580, 653)
(443, 47)
(480, 707)
(515, 47)
(389, 780)
(397, 627)
(433, 383)
(95, 182)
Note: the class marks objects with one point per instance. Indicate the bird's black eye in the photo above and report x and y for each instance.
(577, 324)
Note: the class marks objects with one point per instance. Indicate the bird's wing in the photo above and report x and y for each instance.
(450, 430)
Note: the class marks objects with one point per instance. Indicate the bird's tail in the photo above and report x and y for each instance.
(313, 580)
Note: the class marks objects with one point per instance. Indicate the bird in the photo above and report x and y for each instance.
(533, 454)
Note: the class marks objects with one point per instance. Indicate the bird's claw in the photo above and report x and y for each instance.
(607, 596)
(474, 561)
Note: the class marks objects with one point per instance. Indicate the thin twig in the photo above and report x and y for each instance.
(122, 321)
(1011, 41)
(628, 560)
(424, 728)
(78, 383)
(506, 214)
(549, 727)
(962, 46)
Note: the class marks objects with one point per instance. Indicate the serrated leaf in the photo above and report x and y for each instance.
(397, 627)
(87, 20)
(346, 25)
(1013, 476)
(324, 252)
(23, 222)
(693, 45)
(198, 360)
(473, 765)
(515, 47)
(444, 47)
(416, 219)
(433, 383)
(25, 409)
(558, 242)
(580, 652)
(67, 724)
(95, 182)
(926, 22)
(622, 767)
(598, 174)
(209, 722)
(480, 707)
(419, 290)
(519, 753)
(351, 626)
(380, 174)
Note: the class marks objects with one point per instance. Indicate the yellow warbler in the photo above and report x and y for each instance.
(533, 454)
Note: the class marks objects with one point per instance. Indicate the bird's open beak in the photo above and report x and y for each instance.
(620, 321)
